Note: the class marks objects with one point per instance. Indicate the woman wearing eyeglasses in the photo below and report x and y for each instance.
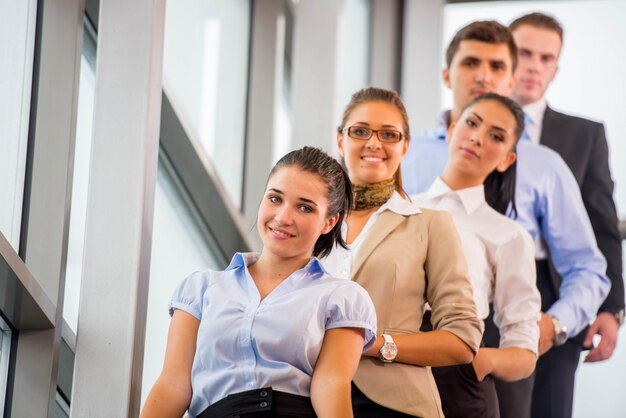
(404, 257)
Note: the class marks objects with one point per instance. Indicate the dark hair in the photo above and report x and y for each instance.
(377, 94)
(339, 190)
(500, 186)
(538, 20)
(488, 31)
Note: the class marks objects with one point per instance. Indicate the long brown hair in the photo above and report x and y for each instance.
(377, 94)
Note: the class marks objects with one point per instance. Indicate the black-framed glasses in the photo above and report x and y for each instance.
(364, 134)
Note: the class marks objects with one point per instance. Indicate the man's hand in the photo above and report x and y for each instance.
(606, 327)
(546, 333)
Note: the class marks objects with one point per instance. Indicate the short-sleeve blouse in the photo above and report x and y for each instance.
(246, 343)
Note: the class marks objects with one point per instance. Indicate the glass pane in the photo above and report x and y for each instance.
(205, 75)
(17, 43)
(5, 345)
(80, 180)
(179, 247)
(61, 408)
(589, 83)
(284, 108)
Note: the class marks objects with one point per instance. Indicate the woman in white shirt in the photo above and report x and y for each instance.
(477, 187)
(273, 335)
(404, 257)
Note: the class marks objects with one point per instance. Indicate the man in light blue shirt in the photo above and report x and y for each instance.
(481, 58)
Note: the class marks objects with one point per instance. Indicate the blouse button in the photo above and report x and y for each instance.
(263, 404)
(263, 394)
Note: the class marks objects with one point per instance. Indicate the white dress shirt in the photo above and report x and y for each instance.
(339, 262)
(500, 259)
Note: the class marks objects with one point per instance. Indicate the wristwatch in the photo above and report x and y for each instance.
(388, 351)
(560, 331)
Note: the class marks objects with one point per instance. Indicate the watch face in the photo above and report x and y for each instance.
(560, 338)
(560, 332)
(389, 351)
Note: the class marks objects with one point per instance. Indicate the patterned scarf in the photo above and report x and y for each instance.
(368, 196)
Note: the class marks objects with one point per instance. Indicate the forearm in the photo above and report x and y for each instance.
(166, 400)
(331, 397)
(435, 348)
(509, 364)
(581, 295)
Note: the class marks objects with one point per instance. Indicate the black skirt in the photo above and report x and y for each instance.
(263, 402)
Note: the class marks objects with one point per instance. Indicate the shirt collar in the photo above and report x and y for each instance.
(245, 259)
(471, 198)
(399, 205)
(536, 110)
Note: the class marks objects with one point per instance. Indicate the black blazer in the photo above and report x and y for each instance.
(582, 144)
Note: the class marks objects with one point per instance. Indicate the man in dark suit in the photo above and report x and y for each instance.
(582, 144)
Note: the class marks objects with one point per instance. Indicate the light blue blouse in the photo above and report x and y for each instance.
(245, 343)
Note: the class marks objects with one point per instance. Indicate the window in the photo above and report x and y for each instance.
(179, 247)
(5, 345)
(205, 76)
(17, 43)
(80, 179)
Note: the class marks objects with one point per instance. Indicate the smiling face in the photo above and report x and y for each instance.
(293, 213)
(373, 161)
(481, 141)
(477, 68)
(539, 51)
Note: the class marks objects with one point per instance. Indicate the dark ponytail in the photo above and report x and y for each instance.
(339, 190)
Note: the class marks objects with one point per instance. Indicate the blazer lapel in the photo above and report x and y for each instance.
(550, 129)
(387, 221)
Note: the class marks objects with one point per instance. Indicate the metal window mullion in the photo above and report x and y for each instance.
(47, 201)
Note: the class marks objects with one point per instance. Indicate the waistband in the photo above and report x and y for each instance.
(266, 400)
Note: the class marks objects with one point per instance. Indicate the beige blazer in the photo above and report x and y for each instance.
(404, 262)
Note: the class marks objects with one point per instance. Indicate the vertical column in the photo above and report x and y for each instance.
(386, 49)
(422, 61)
(317, 46)
(113, 301)
(266, 79)
(45, 225)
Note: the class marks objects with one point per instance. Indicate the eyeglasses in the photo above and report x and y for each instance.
(364, 134)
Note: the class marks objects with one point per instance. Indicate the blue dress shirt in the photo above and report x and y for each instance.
(246, 343)
(549, 206)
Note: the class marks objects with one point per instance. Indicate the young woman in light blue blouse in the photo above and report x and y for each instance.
(273, 335)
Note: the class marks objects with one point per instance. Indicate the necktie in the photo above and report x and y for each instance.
(527, 122)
